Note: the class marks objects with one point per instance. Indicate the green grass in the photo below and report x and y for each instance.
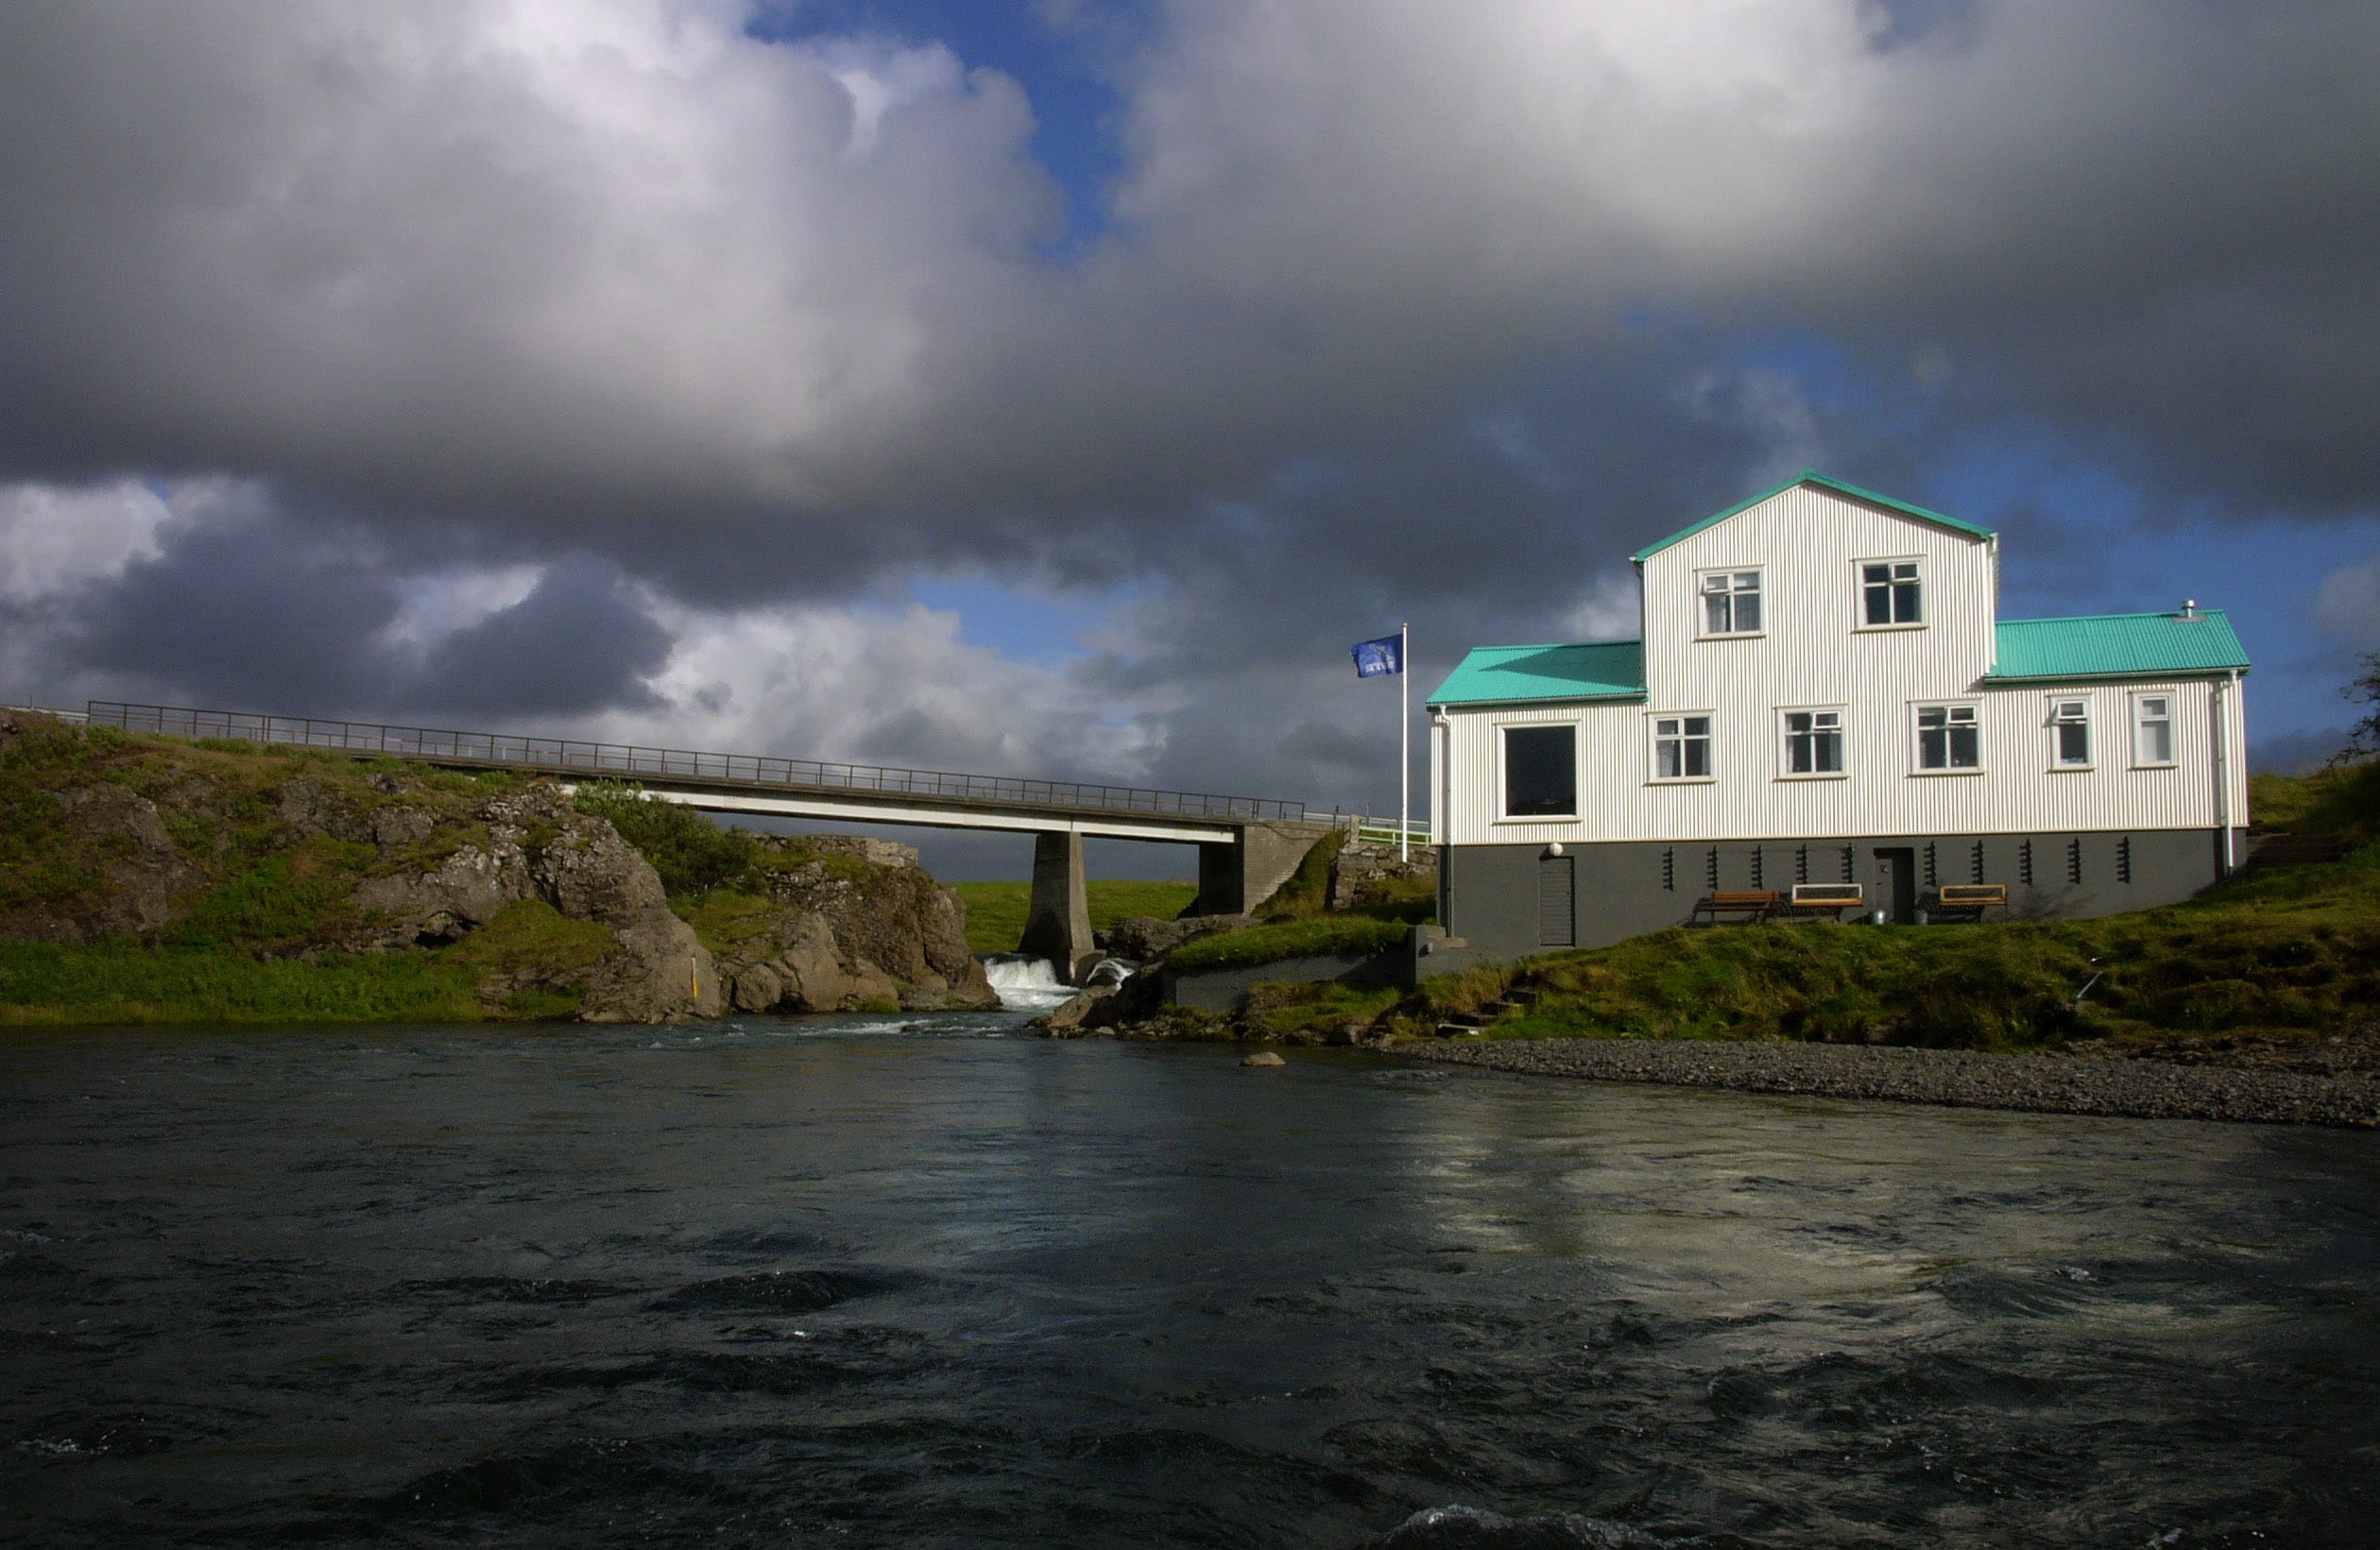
(1309, 1014)
(2286, 953)
(125, 983)
(996, 910)
(727, 919)
(1312, 937)
(2342, 802)
(693, 855)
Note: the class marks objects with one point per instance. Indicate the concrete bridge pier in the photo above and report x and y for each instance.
(1058, 917)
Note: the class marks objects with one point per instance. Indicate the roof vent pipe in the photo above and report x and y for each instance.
(2190, 607)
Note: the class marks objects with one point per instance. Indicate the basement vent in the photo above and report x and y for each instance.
(2124, 859)
(1847, 864)
(1758, 853)
(1670, 868)
(1800, 864)
(2074, 861)
(1978, 869)
(1710, 870)
(1933, 876)
(2025, 863)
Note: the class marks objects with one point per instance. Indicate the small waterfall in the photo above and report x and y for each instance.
(1024, 984)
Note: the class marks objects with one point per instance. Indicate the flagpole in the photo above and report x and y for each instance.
(1404, 743)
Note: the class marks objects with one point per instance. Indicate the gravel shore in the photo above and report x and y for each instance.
(2332, 1082)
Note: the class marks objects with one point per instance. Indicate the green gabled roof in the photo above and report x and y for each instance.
(1595, 669)
(1811, 476)
(2116, 646)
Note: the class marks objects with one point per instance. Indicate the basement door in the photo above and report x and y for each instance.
(1555, 921)
(1897, 883)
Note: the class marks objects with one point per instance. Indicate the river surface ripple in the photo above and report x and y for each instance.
(816, 1281)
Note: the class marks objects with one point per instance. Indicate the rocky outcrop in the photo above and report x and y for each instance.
(857, 924)
(431, 908)
(538, 847)
(1141, 938)
(142, 872)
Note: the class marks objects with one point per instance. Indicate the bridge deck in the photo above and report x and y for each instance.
(951, 798)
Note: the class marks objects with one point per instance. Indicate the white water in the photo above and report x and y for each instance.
(1026, 984)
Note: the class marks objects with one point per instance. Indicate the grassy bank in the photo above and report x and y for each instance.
(2286, 952)
(1312, 936)
(996, 910)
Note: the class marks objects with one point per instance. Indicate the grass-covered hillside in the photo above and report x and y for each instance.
(152, 879)
(996, 910)
(2283, 951)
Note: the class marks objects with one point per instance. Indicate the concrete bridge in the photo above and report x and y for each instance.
(1247, 846)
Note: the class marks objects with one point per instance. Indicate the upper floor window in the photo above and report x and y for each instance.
(1541, 772)
(1681, 747)
(2152, 730)
(1949, 736)
(1731, 602)
(2070, 734)
(1813, 742)
(1890, 593)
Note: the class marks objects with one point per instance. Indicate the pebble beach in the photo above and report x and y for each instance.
(2334, 1081)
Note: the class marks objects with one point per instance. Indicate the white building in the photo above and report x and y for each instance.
(1822, 692)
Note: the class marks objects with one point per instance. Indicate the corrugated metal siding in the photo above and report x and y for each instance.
(1806, 541)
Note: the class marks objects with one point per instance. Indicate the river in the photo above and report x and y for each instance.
(935, 1282)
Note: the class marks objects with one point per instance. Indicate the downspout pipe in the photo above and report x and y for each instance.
(2221, 742)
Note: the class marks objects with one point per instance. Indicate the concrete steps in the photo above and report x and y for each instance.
(1470, 1025)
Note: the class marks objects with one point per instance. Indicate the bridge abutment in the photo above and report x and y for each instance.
(1058, 917)
(1235, 879)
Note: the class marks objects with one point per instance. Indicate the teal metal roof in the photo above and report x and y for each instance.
(1596, 670)
(2116, 646)
(1811, 476)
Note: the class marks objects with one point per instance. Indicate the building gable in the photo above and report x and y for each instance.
(1811, 477)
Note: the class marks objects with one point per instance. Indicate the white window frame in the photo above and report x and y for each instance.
(1758, 591)
(1860, 594)
(1652, 747)
(2057, 721)
(1917, 764)
(1578, 772)
(1785, 742)
(2141, 722)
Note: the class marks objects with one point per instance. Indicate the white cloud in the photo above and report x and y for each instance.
(894, 687)
(1611, 610)
(54, 538)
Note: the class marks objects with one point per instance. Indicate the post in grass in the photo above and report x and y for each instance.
(1379, 659)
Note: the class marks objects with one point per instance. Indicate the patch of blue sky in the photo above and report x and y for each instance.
(1045, 630)
(1076, 108)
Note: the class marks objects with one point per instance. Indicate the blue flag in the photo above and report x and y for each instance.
(1378, 658)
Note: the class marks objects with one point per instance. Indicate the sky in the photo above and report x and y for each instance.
(1060, 387)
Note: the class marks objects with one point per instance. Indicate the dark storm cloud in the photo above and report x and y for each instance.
(579, 642)
(247, 601)
(604, 279)
(1397, 316)
(246, 605)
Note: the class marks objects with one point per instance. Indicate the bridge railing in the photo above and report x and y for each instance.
(627, 761)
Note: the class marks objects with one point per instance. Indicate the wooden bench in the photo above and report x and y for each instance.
(1830, 899)
(1747, 905)
(1966, 900)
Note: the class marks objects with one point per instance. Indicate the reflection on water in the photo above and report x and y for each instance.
(886, 1280)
